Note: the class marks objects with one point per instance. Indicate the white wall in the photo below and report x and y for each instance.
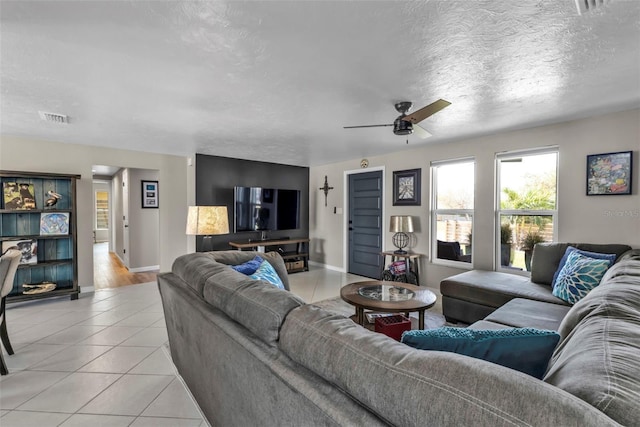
(176, 183)
(118, 210)
(596, 219)
(144, 225)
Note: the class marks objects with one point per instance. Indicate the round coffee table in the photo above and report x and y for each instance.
(390, 297)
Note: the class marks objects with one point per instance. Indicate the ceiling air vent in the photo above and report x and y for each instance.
(585, 6)
(53, 117)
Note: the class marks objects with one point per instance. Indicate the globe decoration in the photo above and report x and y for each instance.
(400, 241)
(401, 225)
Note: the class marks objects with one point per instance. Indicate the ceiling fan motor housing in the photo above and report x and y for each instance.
(402, 127)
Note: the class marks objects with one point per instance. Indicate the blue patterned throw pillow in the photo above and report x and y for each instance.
(571, 249)
(248, 267)
(526, 350)
(579, 275)
(266, 272)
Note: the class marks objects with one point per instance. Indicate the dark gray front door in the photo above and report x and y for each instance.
(365, 223)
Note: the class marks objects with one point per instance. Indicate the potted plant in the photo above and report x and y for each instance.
(527, 243)
(470, 240)
(505, 244)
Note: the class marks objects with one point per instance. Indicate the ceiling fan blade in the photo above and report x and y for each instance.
(366, 126)
(424, 112)
(421, 132)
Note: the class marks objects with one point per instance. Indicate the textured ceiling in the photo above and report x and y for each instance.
(277, 80)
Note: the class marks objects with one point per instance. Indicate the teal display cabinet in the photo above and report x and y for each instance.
(38, 215)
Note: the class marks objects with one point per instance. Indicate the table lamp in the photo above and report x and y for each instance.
(207, 221)
(401, 225)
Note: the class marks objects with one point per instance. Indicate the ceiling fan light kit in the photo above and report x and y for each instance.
(402, 127)
(404, 124)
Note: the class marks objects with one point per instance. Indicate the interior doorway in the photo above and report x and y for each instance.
(116, 261)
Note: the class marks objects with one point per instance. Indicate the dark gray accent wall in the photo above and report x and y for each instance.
(217, 176)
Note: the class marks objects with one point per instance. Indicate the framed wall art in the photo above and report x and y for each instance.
(609, 173)
(406, 187)
(150, 194)
(54, 223)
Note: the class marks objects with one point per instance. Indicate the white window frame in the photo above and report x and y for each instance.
(435, 212)
(553, 213)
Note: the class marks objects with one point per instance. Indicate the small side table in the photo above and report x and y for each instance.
(412, 261)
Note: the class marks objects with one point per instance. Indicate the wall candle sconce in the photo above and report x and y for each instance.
(326, 189)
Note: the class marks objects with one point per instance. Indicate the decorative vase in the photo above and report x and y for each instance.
(527, 259)
(505, 254)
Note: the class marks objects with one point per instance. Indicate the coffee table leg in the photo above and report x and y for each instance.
(421, 319)
(360, 315)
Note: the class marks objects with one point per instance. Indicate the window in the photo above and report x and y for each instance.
(527, 205)
(102, 210)
(452, 211)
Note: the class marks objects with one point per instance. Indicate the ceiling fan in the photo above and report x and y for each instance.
(408, 124)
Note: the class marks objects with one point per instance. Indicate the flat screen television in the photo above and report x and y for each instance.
(266, 209)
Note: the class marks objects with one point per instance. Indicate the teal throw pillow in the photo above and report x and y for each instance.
(571, 249)
(248, 267)
(579, 275)
(526, 350)
(266, 272)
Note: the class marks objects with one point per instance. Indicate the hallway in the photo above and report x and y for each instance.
(109, 272)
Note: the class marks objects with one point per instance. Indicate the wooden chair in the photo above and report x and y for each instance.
(8, 266)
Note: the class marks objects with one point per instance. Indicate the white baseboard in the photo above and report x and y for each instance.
(328, 267)
(147, 268)
(87, 289)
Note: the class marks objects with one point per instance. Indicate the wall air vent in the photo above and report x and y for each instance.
(53, 117)
(585, 6)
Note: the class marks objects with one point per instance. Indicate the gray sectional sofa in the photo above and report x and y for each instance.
(252, 354)
(472, 296)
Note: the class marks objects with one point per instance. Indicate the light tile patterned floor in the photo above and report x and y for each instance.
(101, 360)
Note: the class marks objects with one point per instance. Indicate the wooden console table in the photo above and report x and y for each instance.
(295, 260)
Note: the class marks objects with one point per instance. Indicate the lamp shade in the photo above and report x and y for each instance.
(401, 224)
(207, 220)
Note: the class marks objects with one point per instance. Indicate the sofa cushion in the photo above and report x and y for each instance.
(599, 351)
(620, 286)
(633, 254)
(248, 267)
(238, 257)
(526, 350)
(525, 313)
(598, 362)
(545, 260)
(266, 272)
(579, 276)
(485, 324)
(196, 269)
(258, 306)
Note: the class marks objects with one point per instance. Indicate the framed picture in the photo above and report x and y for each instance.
(406, 187)
(609, 173)
(28, 249)
(150, 194)
(18, 196)
(54, 223)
